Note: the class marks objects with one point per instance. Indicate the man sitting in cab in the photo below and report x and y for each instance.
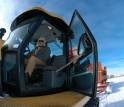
(40, 56)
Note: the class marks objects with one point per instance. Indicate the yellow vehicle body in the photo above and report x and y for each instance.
(63, 99)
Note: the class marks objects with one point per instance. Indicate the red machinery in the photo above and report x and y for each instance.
(102, 78)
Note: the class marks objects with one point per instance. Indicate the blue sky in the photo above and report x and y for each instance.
(105, 19)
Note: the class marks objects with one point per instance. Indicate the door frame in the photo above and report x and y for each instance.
(94, 47)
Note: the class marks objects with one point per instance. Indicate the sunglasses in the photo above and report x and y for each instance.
(40, 41)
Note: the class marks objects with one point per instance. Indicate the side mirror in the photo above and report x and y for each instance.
(2, 32)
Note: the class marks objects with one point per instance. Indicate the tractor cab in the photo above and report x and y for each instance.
(64, 70)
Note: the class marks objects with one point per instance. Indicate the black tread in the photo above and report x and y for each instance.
(93, 103)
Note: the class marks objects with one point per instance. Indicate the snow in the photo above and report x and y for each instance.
(114, 97)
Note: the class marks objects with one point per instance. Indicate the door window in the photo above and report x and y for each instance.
(83, 77)
(77, 29)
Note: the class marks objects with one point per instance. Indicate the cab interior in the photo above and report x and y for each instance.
(48, 76)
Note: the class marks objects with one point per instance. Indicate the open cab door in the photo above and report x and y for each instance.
(83, 76)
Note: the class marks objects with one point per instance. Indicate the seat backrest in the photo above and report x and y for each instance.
(58, 61)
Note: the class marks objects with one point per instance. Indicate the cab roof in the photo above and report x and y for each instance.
(55, 20)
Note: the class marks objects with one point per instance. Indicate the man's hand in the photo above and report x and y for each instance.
(37, 50)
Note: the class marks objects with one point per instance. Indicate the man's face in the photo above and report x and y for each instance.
(41, 42)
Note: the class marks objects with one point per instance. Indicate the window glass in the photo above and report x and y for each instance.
(17, 36)
(29, 48)
(78, 30)
(45, 77)
(56, 48)
(84, 72)
(81, 48)
(9, 65)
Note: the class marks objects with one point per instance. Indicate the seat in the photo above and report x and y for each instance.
(56, 62)
(50, 77)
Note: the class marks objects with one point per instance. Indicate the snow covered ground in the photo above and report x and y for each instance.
(115, 95)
